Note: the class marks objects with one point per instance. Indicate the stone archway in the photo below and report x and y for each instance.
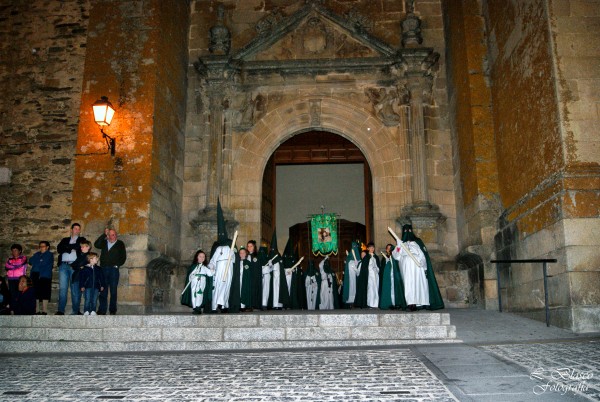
(384, 148)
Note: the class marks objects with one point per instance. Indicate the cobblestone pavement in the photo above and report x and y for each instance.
(561, 368)
(396, 374)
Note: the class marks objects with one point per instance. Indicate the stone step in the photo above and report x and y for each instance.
(60, 334)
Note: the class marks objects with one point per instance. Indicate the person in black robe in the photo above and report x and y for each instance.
(256, 275)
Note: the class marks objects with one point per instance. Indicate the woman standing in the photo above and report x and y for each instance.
(41, 275)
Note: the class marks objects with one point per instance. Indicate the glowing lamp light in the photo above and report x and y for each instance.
(103, 115)
(103, 111)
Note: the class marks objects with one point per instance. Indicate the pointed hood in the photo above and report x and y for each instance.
(221, 227)
(273, 249)
(327, 267)
(311, 269)
(262, 255)
(356, 249)
(288, 255)
(222, 238)
(407, 233)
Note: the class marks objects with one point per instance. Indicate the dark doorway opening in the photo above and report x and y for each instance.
(307, 152)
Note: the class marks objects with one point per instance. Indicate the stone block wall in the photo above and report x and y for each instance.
(474, 157)
(43, 50)
(139, 56)
(548, 177)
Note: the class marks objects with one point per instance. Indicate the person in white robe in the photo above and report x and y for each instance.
(373, 283)
(312, 284)
(288, 278)
(266, 281)
(223, 276)
(351, 272)
(276, 273)
(327, 287)
(412, 267)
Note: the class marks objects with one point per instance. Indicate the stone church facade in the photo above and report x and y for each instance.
(479, 121)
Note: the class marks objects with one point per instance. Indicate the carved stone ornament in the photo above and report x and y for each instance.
(386, 104)
(411, 27)
(360, 23)
(314, 39)
(220, 37)
(315, 112)
(252, 111)
(266, 24)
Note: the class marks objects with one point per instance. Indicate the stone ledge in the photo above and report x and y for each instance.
(10, 347)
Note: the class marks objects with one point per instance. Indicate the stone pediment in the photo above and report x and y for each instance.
(312, 33)
(316, 37)
(313, 40)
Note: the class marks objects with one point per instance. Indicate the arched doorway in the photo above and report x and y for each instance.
(311, 170)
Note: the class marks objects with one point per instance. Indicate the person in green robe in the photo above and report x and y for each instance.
(435, 297)
(197, 292)
(362, 282)
(392, 289)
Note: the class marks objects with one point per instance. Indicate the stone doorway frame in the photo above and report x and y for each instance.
(383, 147)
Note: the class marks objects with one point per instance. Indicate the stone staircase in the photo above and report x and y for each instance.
(272, 330)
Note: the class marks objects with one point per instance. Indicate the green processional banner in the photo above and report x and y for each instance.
(324, 234)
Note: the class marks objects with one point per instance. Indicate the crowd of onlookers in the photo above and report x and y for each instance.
(84, 273)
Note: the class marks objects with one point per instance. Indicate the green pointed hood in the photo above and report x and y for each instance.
(407, 233)
(356, 249)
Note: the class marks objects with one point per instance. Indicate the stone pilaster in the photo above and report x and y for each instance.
(424, 216)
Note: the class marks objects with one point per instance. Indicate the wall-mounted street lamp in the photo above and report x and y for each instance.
(103, 115)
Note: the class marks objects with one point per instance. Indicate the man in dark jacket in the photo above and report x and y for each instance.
(112, 257)
(68, 250)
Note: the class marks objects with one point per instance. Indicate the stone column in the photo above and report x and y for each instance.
(421, 213)
(215, 146)
(418, 152)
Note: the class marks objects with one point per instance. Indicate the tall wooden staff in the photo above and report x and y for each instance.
(401, 243)
(229, 258)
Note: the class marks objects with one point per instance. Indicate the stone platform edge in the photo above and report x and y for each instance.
(59, 334)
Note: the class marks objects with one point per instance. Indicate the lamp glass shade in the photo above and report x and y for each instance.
(103, 111)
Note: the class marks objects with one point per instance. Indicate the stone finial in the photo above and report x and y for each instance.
(220, 37)
(411, 27)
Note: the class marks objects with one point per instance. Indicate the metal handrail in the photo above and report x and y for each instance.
(544, 262)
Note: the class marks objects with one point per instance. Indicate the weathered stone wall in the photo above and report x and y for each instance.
(140, 54)
(548, 178)
(575, 32)
(474, 140)
(42, 52)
